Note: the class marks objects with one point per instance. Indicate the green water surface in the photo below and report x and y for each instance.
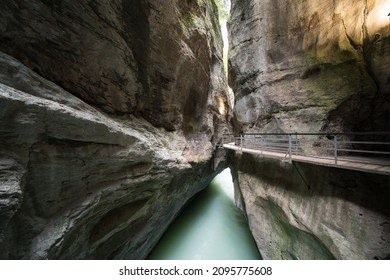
(210, 228)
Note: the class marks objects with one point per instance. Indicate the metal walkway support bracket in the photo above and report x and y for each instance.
(241, 141)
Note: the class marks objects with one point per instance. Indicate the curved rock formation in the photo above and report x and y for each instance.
(311, 66)
(111, 111)
(110, 115)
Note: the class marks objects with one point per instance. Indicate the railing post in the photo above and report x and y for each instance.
(261, 145)
(241, 140)
(296, 143)
(335, 149)
(289, 147)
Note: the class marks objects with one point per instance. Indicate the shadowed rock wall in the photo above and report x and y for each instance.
(148, 58)
(110, 112)
(304, 211)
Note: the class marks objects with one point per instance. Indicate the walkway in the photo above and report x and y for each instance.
(366, 152)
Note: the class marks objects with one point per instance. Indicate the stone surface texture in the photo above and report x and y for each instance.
(312, 66)
(149, 58)
(110, 115)
(304, 211)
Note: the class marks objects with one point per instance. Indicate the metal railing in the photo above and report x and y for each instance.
(370, 147)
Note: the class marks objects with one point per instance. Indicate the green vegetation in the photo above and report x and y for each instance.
(223, 9)
(189, 20)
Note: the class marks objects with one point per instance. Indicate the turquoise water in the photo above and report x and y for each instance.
(210, 228)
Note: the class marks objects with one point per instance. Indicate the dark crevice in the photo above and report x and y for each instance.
(75, 143)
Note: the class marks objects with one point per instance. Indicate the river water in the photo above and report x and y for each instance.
(210, 228)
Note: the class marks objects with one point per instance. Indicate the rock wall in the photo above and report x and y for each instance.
(304, 211)
(311, 66)
(121, 56)
(110, 112)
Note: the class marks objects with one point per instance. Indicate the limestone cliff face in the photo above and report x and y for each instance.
(149, 58)
(303, 211)
(312, 66)
(110, 112)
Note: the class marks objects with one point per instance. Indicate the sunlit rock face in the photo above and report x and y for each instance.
(109, 122)
(310, 65)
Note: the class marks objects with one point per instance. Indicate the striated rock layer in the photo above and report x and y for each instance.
(149, 58)
(312, 66)
(108, 127)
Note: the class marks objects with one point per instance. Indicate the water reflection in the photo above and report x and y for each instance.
(210, 228)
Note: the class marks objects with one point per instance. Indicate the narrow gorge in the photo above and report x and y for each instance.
(113, 112)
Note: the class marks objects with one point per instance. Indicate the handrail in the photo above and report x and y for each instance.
(323, 145)
(316, 133)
